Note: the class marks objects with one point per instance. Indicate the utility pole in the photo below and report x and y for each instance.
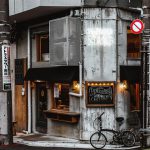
(5, 83)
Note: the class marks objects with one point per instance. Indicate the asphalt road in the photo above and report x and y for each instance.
(24, 147)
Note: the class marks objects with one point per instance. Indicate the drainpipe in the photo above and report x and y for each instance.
(80, 83)
(140, 9)
(29, 89)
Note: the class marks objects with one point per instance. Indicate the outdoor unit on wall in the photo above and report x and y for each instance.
(65, 41)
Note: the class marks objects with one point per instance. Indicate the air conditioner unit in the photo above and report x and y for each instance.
(64, 41)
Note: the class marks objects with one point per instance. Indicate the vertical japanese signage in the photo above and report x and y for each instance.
(6, 79)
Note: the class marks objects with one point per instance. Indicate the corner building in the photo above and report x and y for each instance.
(71, 61)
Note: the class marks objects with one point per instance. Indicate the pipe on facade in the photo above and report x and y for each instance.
(80, 83)
(29, 89)
(140, 9)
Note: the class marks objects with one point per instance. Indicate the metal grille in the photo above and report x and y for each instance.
(65, 41)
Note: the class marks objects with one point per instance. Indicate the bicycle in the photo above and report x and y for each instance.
(141, 135)
(99, 139)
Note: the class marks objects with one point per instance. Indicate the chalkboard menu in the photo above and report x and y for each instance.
(100, 94)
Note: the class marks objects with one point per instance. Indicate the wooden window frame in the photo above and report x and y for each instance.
(134, 54)
(39, 38)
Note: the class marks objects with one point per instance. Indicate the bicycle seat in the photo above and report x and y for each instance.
(119, 119)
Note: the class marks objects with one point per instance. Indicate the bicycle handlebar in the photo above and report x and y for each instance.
(101, 115)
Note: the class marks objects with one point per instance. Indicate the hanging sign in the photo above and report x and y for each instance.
(137, 26)
(6, 78)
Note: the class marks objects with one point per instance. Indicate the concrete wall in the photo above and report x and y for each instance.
(12, 68)
(22, 45)
(99, 58)
(19, 6)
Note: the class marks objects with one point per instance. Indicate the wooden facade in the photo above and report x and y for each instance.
(21, 104)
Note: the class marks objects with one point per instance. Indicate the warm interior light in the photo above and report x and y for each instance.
(76, 86)
(38, 81)
(123, 85)
(100, 84)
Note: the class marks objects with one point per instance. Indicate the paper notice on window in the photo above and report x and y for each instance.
(56, 91)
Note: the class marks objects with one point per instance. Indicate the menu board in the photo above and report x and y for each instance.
(100, 95)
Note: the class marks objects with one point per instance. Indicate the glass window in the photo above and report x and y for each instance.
(61, 96)
(42, 47)
(133, 45)
(40, 43)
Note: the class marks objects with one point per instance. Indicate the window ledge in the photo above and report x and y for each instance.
(134, 59)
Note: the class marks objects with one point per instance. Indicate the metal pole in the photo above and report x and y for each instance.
(5, 91)
(9, 113)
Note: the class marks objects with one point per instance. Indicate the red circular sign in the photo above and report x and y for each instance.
(137, 26)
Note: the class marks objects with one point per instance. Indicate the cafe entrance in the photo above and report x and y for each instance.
(41, 105)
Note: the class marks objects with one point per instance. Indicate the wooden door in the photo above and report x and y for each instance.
(41, 105)
(20, 95)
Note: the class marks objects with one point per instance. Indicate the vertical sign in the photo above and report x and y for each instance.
(6, 68)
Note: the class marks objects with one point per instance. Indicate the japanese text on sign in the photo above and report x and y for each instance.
(6, 67)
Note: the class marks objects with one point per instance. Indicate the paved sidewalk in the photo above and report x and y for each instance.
(43, 140)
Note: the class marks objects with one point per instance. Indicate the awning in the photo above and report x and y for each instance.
(130, 73)
(64, 74)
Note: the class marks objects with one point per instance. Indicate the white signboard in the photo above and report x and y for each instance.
(6, 68)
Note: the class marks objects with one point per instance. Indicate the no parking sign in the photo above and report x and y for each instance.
(137, 26)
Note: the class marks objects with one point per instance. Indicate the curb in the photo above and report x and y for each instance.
(72, 145)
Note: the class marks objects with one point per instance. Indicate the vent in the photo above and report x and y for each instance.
(65, 41)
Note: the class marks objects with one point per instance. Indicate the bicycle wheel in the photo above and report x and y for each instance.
(98, 140)
(128, 138)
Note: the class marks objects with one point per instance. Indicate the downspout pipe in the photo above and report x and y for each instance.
(140, 9)
(80, 83)
(29, 88)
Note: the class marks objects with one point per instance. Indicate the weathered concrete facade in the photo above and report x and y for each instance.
(103, 49)
(103, 53)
